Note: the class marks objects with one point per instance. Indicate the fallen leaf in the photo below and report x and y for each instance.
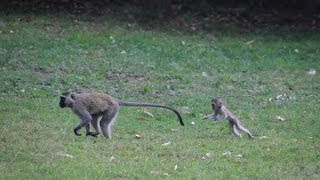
(112, 38)
(174, 130)
(292, 98)
(312, 72)
(262, 137)
(64, 155)
(112, 159)
(166, 144)
(209, 154)
(280, 118)
(280, 97)
(147, 112)
(227, 153)
(204, 74)
(175, 167)
(250, 42)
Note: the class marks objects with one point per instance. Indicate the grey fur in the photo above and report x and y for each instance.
(90, 107)
(222, 112)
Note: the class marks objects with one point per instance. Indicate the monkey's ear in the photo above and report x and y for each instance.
(73, 97)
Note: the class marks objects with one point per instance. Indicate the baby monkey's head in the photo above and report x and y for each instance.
(216, 103)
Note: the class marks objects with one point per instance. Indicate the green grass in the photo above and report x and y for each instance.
(44, 55)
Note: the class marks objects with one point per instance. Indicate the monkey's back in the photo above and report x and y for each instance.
(97, 103)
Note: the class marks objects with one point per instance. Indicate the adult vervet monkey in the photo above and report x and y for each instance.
(89, 107)
(222, 112)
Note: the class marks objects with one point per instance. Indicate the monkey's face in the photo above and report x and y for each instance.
(216, 103)
(62, 103)
(67, 100)
(213, 106)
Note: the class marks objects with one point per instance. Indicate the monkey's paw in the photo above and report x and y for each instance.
(93, 134)
(76, 133)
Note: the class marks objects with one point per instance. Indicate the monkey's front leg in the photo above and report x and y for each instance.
(213, 117)
(85, 119)
(208, 116)
(75, 130)
(88, 133)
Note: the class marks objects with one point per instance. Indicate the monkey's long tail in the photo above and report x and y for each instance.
(125, 103)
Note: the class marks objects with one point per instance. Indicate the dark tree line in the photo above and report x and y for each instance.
(308, 6)
(303, 5)
(269, 13)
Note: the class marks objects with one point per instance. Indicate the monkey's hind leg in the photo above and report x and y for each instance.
(242, 129)
(107, 121)
(94, 122)
(236, 131)
(233, 129)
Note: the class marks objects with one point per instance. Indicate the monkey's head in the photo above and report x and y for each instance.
(67, 99)
(216, 103)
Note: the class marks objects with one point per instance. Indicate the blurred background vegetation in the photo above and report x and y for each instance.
(245, 13)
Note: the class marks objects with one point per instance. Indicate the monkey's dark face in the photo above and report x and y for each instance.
(213, 106)
(62, 103)
(67, 100)
(216, 104)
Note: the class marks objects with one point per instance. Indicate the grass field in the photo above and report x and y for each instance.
(260, 74)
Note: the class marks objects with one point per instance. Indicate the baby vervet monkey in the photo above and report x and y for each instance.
(222, 112)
